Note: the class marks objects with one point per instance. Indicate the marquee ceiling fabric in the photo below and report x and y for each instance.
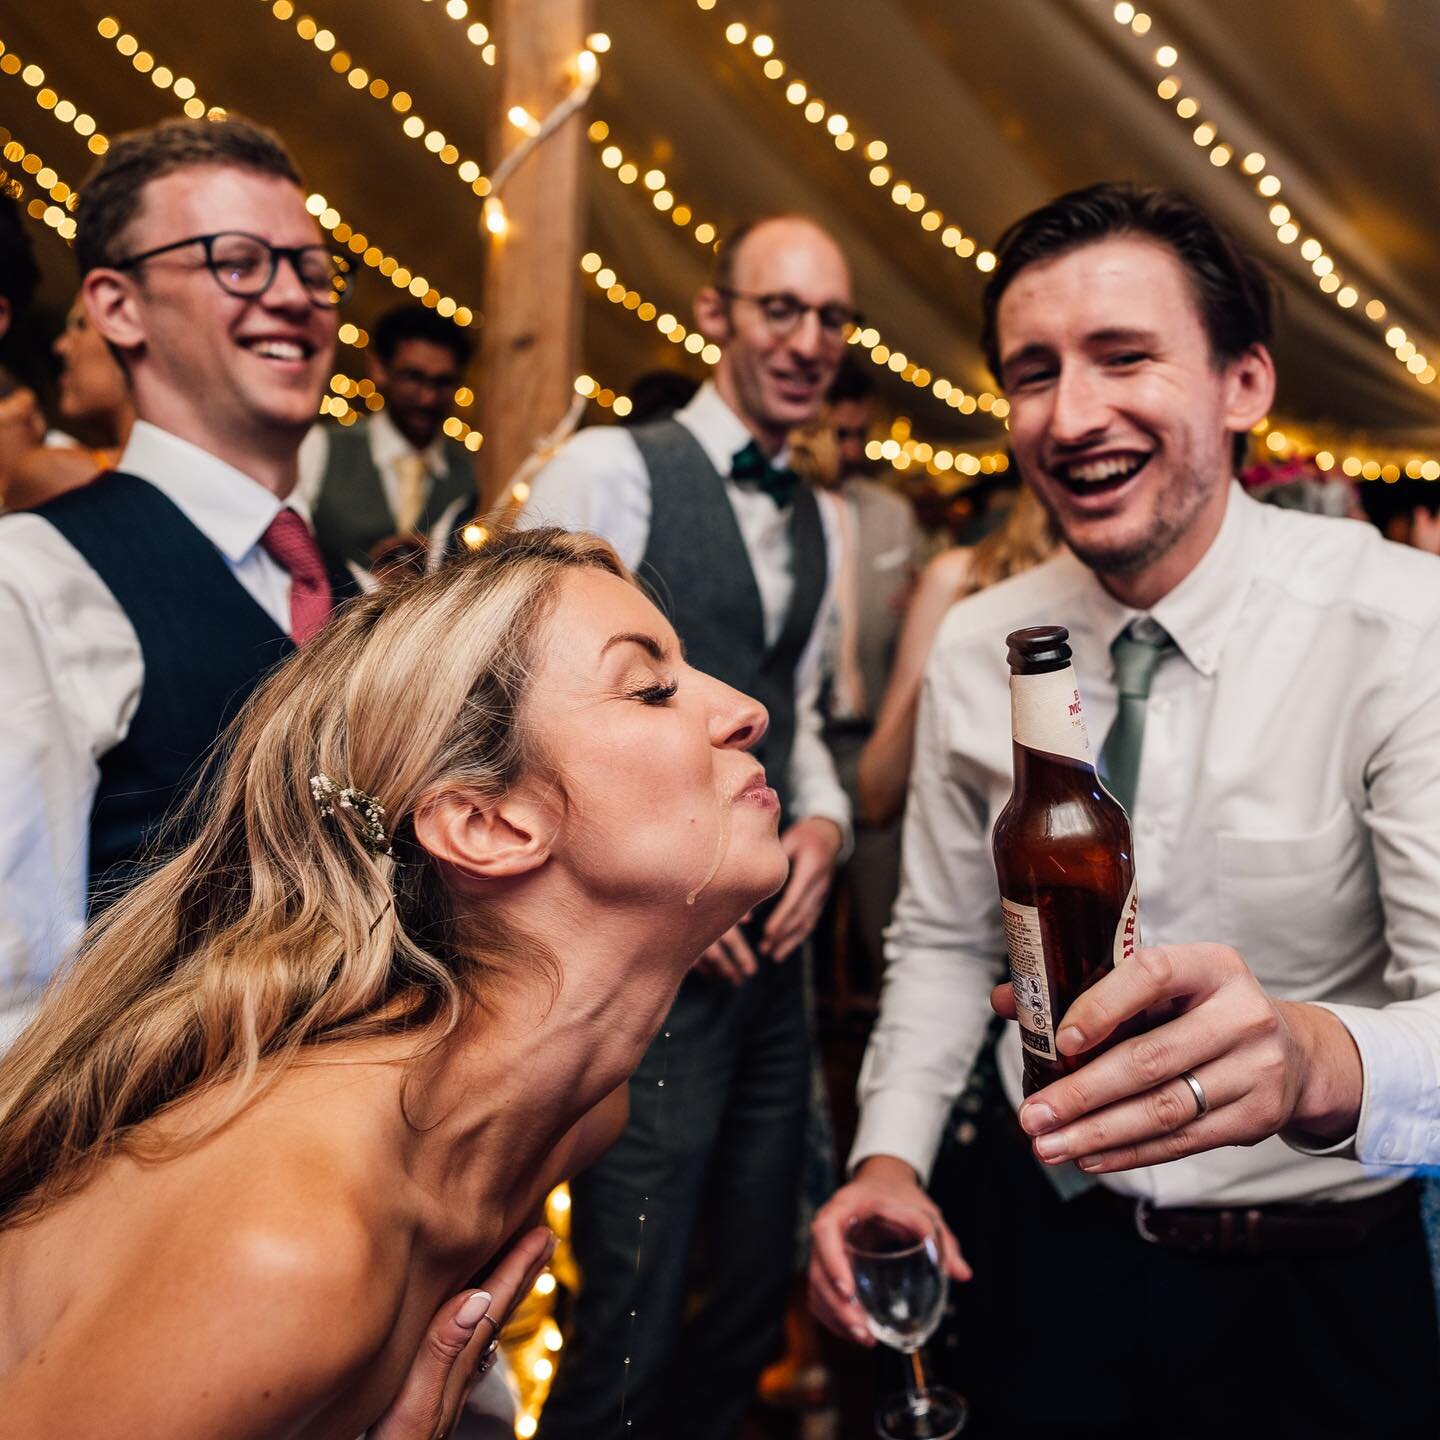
(987, 107)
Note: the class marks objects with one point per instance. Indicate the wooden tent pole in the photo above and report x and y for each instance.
(530, 344)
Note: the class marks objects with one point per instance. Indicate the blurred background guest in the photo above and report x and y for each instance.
(22, 426)
(879, 556)
(96, 409)
(657, 394)
(1024, 538)
(394, 472)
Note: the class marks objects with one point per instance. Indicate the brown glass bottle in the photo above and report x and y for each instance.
(1062, 854)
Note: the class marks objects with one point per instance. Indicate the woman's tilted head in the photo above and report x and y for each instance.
(387, 823)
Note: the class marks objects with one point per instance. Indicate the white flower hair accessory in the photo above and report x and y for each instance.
(329, 797)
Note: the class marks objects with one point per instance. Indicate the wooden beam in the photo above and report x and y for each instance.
(530, 344)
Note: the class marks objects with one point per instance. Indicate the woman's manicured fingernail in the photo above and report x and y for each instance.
(1050, 1146)
(469, 1315)
(1036, 1117)
(1071, 1040)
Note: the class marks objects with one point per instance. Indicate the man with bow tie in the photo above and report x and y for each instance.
(704, 508)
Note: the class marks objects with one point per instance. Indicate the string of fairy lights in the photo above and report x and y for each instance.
(63, 110)
(653, 179)
(875, 153)
(330, 219)
(903, 452)
(55, 214)
(360, 80)
(1171, 90)
(666, 323)
(476, 33)
(1292, 442)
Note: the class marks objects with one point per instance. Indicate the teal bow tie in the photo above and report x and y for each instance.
(750, 465)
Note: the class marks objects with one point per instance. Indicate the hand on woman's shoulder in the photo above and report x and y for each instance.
(250, 1308)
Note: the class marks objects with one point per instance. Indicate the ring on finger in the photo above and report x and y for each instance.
(1202, 1105)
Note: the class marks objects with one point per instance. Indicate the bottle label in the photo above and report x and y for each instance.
(1127, 930)
(1045, 714)
(1028, 978)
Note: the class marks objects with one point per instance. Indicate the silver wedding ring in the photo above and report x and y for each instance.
(1198, 1091)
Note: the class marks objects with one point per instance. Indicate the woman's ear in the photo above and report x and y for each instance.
(490, 840)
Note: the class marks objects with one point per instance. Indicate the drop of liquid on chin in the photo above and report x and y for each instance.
(726, 807)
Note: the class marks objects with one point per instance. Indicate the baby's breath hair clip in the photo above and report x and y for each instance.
(329, 797)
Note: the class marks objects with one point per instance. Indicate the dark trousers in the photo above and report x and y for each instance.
(678, 1314)
(1075, 1326)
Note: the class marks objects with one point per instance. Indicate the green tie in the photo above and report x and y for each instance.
(1137, 652)
(751, 465)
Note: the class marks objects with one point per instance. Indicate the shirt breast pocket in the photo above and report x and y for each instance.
(1300, 908)
(896, 558)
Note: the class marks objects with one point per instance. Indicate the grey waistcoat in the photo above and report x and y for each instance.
(698, 570)
(351, 513)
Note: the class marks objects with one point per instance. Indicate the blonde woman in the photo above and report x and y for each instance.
(1025, 538)
(315, 1072)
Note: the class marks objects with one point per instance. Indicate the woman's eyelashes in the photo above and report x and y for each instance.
(656, 694)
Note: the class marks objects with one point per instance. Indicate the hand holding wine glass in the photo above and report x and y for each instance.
(901, 1283)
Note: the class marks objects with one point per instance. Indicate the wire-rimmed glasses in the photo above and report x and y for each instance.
(783, 312)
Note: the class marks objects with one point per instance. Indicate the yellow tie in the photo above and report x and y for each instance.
(413, 478)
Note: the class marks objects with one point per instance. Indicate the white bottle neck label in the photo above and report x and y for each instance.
(1046, 714)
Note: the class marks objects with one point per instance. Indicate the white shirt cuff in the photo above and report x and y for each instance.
(1400, 1104)
(908, 1126)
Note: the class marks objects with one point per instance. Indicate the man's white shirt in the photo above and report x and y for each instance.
(598, 482)
(1288, 805)
(71, 673)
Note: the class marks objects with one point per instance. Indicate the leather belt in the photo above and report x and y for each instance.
(1325, 1227)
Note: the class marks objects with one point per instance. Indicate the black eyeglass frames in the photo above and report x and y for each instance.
(245, 265)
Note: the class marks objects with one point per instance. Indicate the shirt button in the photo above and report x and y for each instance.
(1387, 1147)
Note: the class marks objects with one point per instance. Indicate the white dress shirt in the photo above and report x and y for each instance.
(598, 482)
(1288, 805)
(389, 450)
(70, 679)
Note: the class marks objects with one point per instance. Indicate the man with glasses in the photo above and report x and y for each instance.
(394, 473)
(137, 613)
(703, 507)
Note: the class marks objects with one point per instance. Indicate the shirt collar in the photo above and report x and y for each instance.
(1199, 611)
(387, 445)
(227, 506)
(721, 432)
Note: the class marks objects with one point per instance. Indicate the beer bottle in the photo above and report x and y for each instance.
(1062, 854)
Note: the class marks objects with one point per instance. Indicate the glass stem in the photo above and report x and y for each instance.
(919, 1392)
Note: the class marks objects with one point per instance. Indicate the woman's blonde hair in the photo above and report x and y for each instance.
(1023, 539)
(276, 928)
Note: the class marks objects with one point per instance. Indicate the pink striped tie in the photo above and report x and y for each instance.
(290, 544)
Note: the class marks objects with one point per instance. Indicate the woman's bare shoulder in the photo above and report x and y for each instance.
(241, 1308)
(949, 571)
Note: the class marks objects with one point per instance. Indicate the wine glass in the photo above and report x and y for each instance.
(901, 1284)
